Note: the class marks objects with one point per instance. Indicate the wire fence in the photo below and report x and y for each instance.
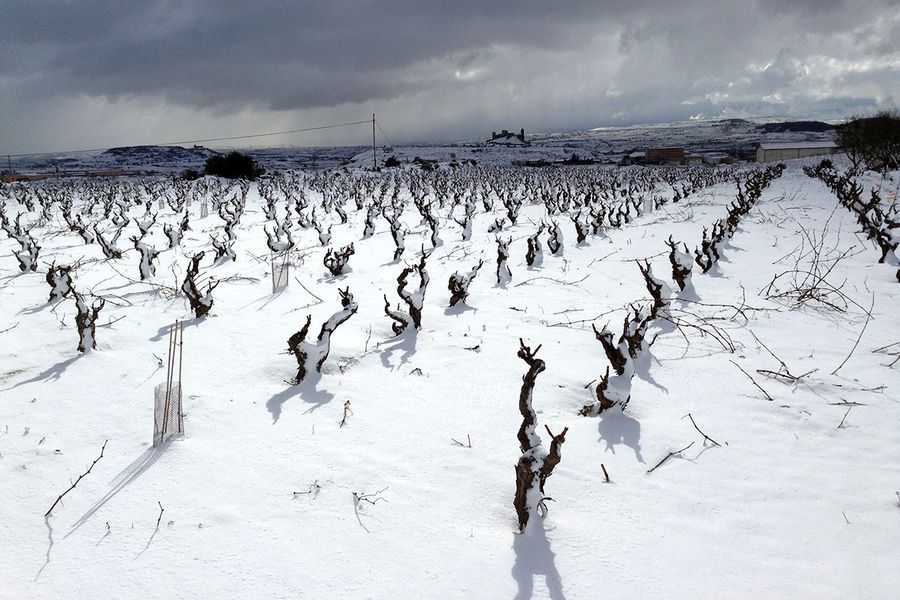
(168, 418)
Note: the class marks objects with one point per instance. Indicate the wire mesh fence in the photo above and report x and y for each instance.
(281, 267)
(168, 418)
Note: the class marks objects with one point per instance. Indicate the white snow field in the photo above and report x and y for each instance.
(793, 494)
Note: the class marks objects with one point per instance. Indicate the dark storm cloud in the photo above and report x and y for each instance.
(444, 69)
(284, 55)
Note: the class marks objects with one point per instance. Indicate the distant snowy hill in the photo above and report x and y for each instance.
(736, 137)
(157, 155)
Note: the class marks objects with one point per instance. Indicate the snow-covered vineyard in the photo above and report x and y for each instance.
(478, 382)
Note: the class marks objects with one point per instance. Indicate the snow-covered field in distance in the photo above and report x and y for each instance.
(738, 137)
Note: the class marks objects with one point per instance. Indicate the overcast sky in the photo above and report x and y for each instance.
(85, 74)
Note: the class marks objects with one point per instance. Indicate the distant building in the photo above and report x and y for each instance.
(786, 151)
(34, 177)
(664, 156)
(717, 158)
(105, 173)
(672, 156)
(58, 174)
(633, 158)
(505, 138)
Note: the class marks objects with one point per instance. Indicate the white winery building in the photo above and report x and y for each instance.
(785, 151)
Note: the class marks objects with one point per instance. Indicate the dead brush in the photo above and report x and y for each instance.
(890, 350)
(807, 283)
(685, 321)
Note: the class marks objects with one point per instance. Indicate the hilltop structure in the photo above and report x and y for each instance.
(505, 138)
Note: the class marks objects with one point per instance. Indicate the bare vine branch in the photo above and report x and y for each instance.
(668, 456)
(80, 477)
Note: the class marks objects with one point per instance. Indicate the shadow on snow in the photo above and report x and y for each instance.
(534, 557)
(121, 481)
(307, 390)
(404, 343)
(616, 428)
(49, 374)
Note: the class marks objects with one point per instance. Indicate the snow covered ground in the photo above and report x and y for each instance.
(261, 497)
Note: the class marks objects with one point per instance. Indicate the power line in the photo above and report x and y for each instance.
(219, 139)
(378, 124)
(255, 135)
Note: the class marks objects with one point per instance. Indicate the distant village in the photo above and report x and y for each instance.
(728, 148)
(765, 152)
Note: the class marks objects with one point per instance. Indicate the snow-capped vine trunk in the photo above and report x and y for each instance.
(535, 464)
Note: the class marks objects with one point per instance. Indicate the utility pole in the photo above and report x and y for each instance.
(374, 157)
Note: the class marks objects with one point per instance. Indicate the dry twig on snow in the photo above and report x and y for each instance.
(668, 456)
(705, 437)
(759, 387)
(372, 498)
(347, 412)
(80, 477)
